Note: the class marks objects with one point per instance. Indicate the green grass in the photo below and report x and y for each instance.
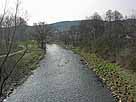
(31, 58)
(3, 49)
(121, 81)
(26, 66)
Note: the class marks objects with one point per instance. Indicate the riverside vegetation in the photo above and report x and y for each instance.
(25, 67)
(109, 46)
(19, 49)
(121, 82)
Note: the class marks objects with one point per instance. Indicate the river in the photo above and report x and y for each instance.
(62, 77)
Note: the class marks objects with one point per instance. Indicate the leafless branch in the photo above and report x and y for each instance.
(12, 39)
(12, 70)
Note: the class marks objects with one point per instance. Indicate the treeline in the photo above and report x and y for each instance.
(113, 38)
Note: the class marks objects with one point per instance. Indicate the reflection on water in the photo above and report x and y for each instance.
(61, 78)
(52, 47)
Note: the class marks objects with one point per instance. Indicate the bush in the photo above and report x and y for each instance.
(121, 84)
(132, 63)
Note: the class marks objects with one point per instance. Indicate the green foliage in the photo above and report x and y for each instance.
(26, 65)
(121, 83)
(132, 63)
(105, 38)
(76, 50)
(113, 40)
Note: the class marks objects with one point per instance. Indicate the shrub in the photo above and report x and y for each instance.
(132, 63)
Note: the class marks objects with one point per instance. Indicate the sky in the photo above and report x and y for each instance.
(51, 11)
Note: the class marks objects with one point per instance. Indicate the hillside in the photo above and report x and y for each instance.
(65, 25)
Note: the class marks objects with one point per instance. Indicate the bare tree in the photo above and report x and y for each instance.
(41, 31)
(7, 24)
(96, 16)
(109, 16)
(117, 16)
(133, 15)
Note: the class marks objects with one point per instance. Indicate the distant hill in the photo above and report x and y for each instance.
(26, 32)
(65, 25)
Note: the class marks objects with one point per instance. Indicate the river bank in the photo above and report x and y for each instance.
(62, 77)
(24, 68)
(119, 80)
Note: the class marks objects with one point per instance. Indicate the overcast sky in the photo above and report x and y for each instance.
(62, 10)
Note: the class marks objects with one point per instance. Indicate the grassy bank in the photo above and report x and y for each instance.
(121, 81)
(25, 66)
